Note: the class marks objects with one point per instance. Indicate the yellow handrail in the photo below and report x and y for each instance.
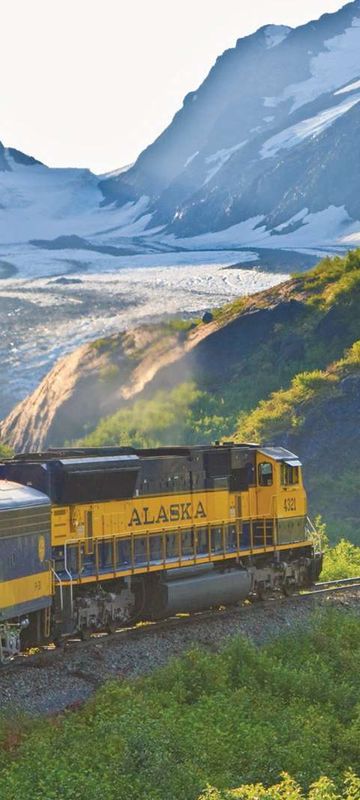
(219, 547)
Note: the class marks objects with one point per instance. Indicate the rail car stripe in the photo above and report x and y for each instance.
(23, 590)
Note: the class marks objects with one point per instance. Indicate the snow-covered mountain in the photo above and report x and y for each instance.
(265, 154)
(53, 220)
(39, 201)
(267, 150)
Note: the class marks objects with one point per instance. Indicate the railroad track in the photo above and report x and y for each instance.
(165, 626)
(323, 587)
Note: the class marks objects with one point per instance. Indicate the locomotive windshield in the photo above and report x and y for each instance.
(265, 474)
(289, 474)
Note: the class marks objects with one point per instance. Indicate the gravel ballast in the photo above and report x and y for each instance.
(50, 682)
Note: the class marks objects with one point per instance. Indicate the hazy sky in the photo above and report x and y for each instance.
(92, 82)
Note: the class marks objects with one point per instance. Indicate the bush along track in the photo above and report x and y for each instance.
(226, 719)
(288, 789)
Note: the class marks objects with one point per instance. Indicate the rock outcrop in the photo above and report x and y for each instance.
(93, 382)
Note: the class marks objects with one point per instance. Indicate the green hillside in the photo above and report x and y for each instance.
(281, 366)
(318, 417)
(184, 414)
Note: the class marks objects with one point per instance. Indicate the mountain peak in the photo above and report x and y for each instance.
(275, 34)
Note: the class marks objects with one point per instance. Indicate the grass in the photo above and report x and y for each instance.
(287, 409)
(241, 716)
(183, 415)
(180, 325)
(341, 561)
(5, 451)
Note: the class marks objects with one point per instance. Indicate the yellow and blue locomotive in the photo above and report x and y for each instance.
(94, 539)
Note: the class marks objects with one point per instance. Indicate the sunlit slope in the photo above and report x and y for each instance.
(281, 366)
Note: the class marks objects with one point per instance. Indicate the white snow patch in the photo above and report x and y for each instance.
(220, 158)
(352, 239)
(351, 87)
(234, 236)
(311, 127)
(271, 102)
(319, 230)
(275, 34)
(190, 159)
(296, 218)
(334, 67)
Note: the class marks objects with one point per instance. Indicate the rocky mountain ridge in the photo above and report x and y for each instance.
(264, 150)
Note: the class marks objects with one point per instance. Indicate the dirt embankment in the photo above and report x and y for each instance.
(93, 382)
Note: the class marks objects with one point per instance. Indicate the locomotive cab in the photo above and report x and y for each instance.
(280, 493)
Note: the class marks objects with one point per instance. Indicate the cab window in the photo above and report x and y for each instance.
(289, 475)
(265, 472)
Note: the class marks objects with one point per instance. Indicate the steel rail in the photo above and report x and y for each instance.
(169, 624)
(344, 581)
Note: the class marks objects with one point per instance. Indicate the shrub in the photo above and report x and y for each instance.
(184, 415)
(341, 561)
(5, 451)
(237, 718)
(288, 789)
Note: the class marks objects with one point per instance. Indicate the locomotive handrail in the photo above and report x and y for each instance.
(314, 533)
(275, 520)
(221, 539)
(185, 527)
(225, 548)
(59, 581)
(66, 570)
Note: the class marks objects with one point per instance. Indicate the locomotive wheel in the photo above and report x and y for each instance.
(111, 626)
(261, 592)
(57, 638)
(288, 588)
